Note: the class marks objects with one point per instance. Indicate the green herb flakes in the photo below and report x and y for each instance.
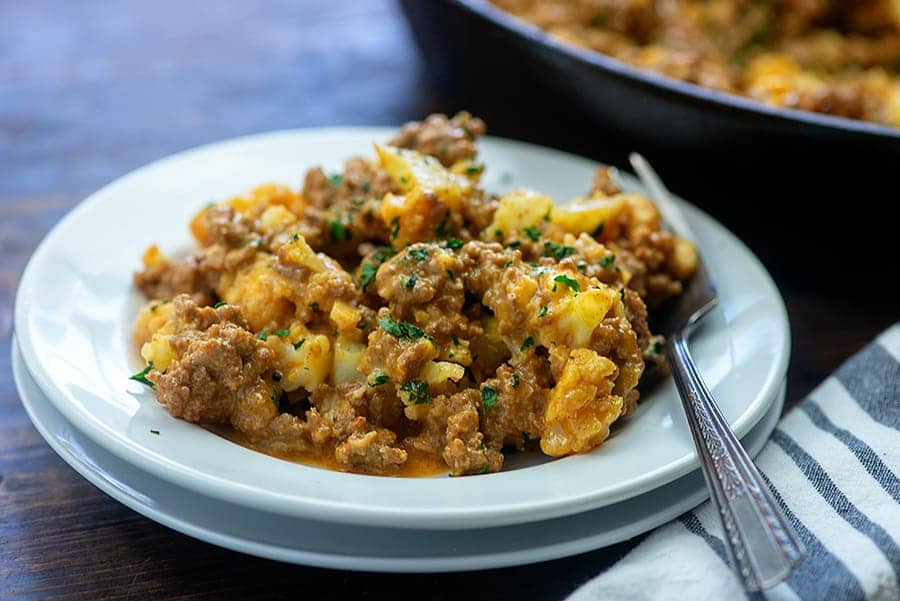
(141, 376)
(395, 228)
(367, 274)
(558, 251)
(564, 279)
(379, 380)
(529, 342)
(417, 392)
(488, 397)
(338, 231)
(401, 329)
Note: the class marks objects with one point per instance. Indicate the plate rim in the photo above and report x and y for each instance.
(359, 513)
(111, 486)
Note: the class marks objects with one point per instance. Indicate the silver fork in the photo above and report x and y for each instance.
(761, 544)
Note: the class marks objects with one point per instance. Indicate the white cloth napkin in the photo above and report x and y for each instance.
(834, 461)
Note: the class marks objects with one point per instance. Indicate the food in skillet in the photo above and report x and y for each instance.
(841, 58)
(395, 318)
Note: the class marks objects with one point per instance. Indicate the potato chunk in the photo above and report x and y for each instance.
(582, 407)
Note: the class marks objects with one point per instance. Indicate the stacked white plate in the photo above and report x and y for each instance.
(73, 356)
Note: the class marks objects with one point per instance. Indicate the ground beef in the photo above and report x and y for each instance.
(217, 376)
(448, 140)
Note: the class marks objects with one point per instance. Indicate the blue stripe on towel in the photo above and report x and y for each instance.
(833, 495)
(867, 457)
(872, 377)
(693, 524)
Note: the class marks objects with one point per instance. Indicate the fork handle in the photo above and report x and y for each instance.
(761, 544)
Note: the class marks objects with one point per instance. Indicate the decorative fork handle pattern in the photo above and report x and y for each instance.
(761, 544)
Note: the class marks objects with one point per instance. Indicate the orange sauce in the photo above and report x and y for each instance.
(418, 463)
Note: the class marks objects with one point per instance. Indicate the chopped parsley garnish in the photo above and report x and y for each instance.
(526, 438)
(141, 376)
(622, 294)
(336, 179)
(514, 244)
(599, 230)
(488, 397)
(451, 275)
(379, 380)
(370, 269)
(366, 186)
(533, 233)
(498, 233)
(338, 231)
(276, 375)
(298, 344)
(515, 380)
(157, 305)
(529, 342)
(314, 305)
(276, 399)
(454, 244)
(542, 312)
(418, 254)
(564, 279)
(357, 202)
(474, 169)
(395, 227)
(295, 238)
(455, 339)
(403, 179)
(154, 432)
(263, 336)
(283, 332)
(443, 228)
(219, 304)
(657, 348)
(367, 274)
(607, 261)
(484, 469)
(409, 282)
(401, 329)
(560, 252)
(417, 391)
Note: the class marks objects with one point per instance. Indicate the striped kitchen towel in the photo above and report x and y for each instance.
(834, 461)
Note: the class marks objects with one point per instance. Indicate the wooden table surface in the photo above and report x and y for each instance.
(91, 90)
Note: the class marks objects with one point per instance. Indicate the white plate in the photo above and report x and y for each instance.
(75, 307)
(357, 547)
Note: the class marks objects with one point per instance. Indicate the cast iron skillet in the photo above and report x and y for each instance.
(460, 36)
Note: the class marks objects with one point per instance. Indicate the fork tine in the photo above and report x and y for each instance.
(661, 197)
